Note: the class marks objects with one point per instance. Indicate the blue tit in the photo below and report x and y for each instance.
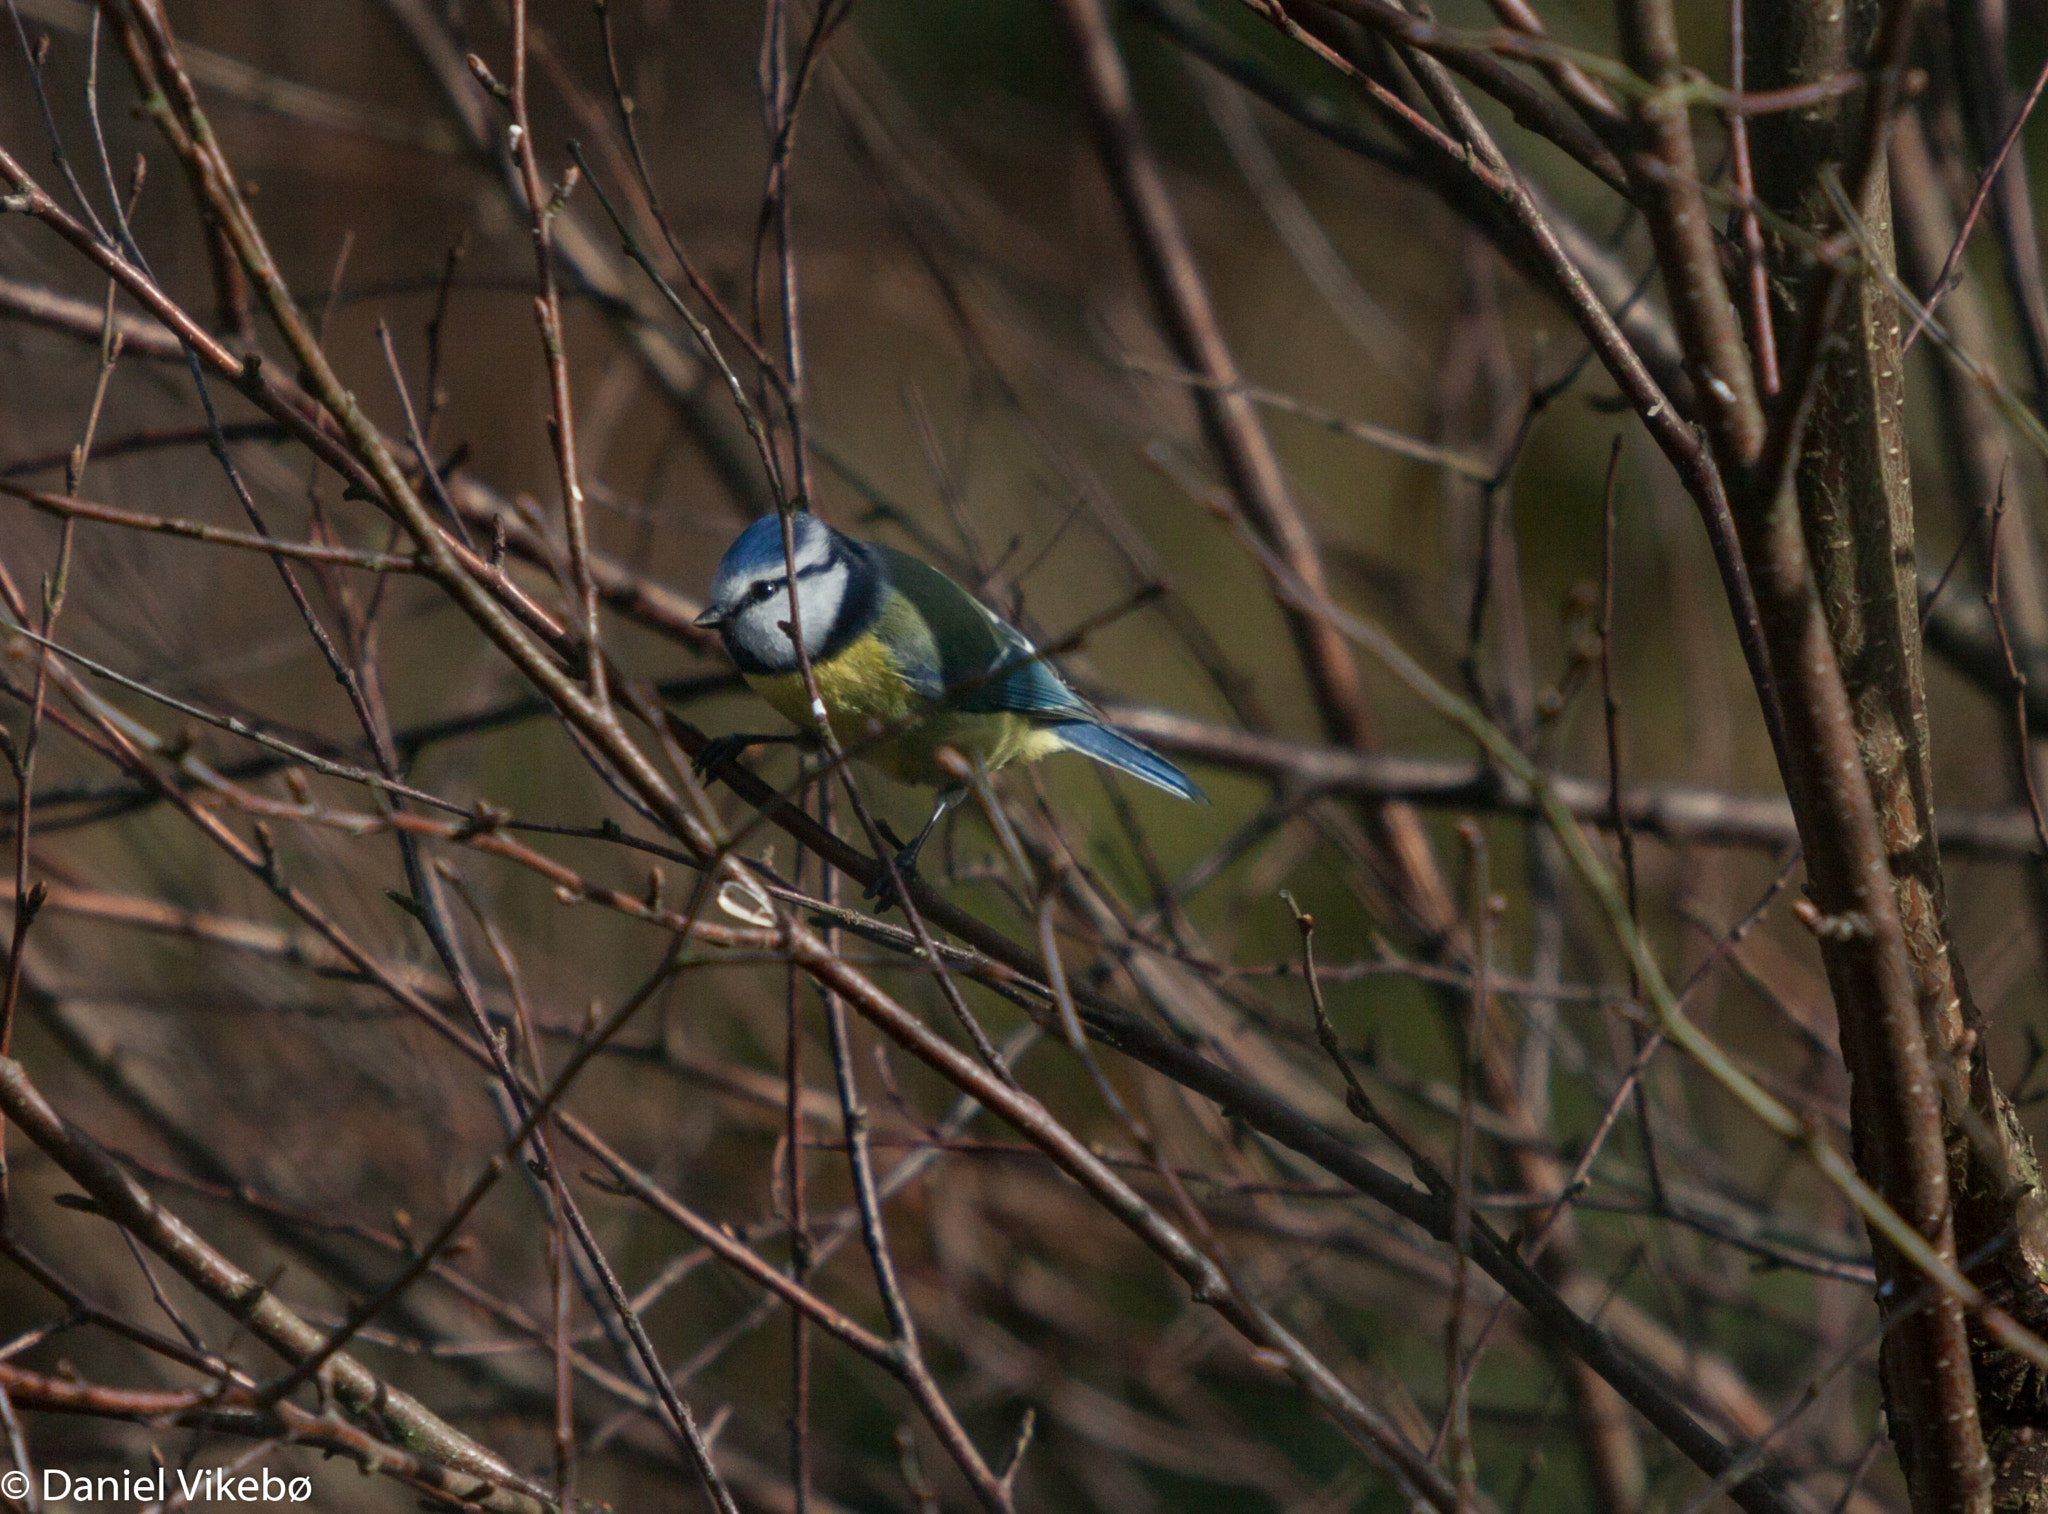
(898, 647)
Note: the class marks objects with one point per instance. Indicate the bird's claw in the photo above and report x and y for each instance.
(884, 891)
(717, 752)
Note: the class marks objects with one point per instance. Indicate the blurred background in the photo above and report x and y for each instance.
(987, 385)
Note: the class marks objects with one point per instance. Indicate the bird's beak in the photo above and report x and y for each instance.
(711, 619)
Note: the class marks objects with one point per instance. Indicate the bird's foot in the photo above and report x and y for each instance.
(884, 890)
(720, 750)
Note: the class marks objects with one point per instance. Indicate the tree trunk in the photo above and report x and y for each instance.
(1854, 495)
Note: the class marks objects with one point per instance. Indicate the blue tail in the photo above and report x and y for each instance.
(1114, 749)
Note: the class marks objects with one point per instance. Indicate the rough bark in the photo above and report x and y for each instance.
(1855, 504)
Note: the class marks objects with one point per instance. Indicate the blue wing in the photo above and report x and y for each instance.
(1028, 686)
(1034, 689)
(999, 672)
(1111, 747)
(988, 664)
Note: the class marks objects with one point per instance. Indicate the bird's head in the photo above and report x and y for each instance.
(750, 591)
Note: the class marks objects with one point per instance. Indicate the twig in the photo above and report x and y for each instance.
(1946, 279)
(1231, 424)
(2019, 680)
(1763, 336)
(484, 1477)
(988, 1486)
(1610, 705)
(70, 507)
(543, 204)
(795, 1186)
(1457, 1426)
(1932, 596)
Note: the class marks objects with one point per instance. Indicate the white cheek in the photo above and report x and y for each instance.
(820, 599)
(760, 627)
(759, 631)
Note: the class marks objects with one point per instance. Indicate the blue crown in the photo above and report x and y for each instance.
(759, 547)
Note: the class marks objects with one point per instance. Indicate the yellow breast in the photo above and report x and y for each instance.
(865, 693)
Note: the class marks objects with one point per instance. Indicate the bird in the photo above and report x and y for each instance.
(908, 665)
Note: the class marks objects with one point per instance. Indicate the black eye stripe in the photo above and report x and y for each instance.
(770, 586)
